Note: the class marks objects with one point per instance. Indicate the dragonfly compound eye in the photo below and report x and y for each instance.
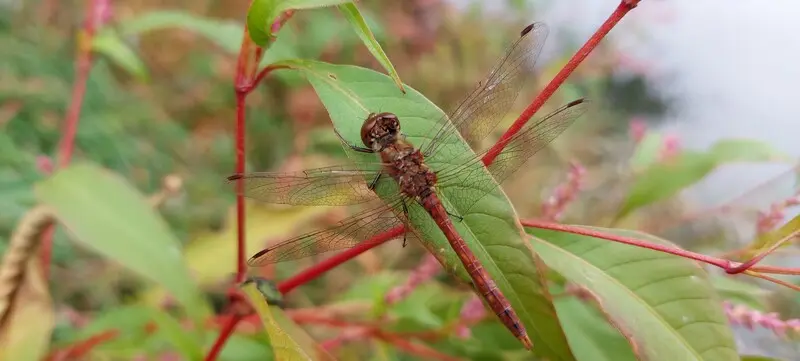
(366, 130)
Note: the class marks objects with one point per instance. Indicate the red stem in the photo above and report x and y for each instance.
(224, 334)
(727, 265)
(559, 79)
(83, 64)
(241, 246)
(583, 52)
(318, 269)
(245, 81)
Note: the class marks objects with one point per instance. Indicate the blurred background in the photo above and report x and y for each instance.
(672, 76)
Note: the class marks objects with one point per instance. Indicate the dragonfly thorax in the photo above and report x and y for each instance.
(380, 130)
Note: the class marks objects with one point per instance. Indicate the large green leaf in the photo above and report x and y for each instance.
(590, 335)
(111, 45)
(226, 34)
(663, 303)
(106, 213)
(489, 227)
(263, 13)
(662, 180)
(359, 24)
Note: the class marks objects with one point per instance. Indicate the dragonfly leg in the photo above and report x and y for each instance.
(374, 183)
(353, 147)
(405, 212)
(457, 217)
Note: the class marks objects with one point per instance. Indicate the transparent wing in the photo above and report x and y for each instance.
(345, 234)
(533, 137)
(527, 142)
(489, 102)
(328, 186)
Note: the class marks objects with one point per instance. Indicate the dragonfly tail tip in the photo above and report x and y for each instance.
(526, 341)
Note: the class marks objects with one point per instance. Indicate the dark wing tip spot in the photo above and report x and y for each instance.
(235, 177)
(576, 102)
(332, 76)
(526, 30)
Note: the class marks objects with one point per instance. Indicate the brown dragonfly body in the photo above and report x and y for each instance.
(416, 183)
(381, 134)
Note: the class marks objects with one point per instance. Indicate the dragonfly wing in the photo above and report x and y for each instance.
(329, 186)
(529, 140)
(344, 234)
(481, 111)
(533, 137)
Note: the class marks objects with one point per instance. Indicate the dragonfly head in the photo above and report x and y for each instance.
(380, 130)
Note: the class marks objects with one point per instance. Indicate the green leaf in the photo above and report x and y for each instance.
(769, 239)
(226, 34)
(662, 180)
(351, 13)
(647, 150)
(109, 44)
(263, 13)
(590, 335)
(734, 289)
(665, 303)
(284, 346)
(185, 343)
(103, 211)
(489, 227)
(746, 150)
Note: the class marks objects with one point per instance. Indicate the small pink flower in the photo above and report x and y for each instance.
(749, 318)
(670, 147)
(44, 164)
(473, 310)
(767, 221)
(638, 129)
(426, 270)
(102, 13)
(564, 194)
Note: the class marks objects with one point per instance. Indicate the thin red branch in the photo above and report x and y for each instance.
(424, 351)
(559, 79)
(583, 52)
(727, 265)
(244, 82)
(773, 280)
(224, 334)
(82, 348)
(241, 245)
(318, 269)
(753, 261)
(83, 65)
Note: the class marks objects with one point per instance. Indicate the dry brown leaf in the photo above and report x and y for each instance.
(26, 310)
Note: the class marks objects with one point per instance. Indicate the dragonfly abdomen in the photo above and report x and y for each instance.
(482, 281)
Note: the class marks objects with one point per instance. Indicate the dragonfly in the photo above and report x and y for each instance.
(415, 184)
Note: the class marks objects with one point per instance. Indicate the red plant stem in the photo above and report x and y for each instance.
(773, 280)
(318, 269)
(244, 83)
(559, 79)
(83, 64)
(425, 352)
(224, 334)
(82, 348)
(241, 245)
(753, 261)
(583, 52)
(725, 264)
